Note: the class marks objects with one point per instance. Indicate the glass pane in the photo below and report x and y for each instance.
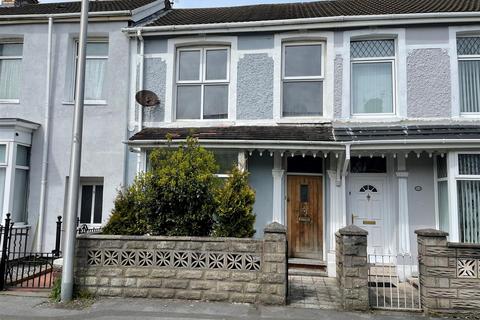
(20, 196)
(442, 170)
(303, 61)
(86, 204)
(189, 65)
(372, 90)
(217, 64)
(304, 193)
(97, 209)
(468, 210)
(23, 156)
(469, 164)
(10, 78)
(215, 102)
(188, 102)
(226, 160)
(3, 153)
(443, 206)
(368, 165)
(303, 98)
(372, 48)
(97, 49)
(11, 49)
(468, 45)
(469, 79)
(95, 78)
(308, 164)
(2, 188)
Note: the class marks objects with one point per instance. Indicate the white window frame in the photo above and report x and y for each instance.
(75, 64)
(436, 180)
(473, 57)
(286, 79)
(390, 59)
(203, 82)
(95, 183)
(12, 58)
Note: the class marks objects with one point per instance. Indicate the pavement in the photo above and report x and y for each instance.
(38, 307)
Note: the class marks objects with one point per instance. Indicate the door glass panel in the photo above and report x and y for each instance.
(304, 193)
(442, 171)
(86, 205)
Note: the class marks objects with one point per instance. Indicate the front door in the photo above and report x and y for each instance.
(305, 216)
(367, 208)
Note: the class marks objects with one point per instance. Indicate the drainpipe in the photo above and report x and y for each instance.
(46, 139)
(140, 87)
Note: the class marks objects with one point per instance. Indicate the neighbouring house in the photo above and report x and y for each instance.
(345, 112)
(38, 54)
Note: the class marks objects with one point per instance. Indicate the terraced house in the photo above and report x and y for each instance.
(344, 112)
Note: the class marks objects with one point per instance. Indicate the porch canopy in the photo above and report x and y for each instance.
(321, 139)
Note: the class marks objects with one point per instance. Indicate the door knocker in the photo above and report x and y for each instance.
(304, 216)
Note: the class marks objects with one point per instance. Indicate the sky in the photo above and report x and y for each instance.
(211, 3)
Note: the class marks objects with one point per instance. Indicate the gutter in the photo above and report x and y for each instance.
(305, 23)
(65, 15)
(46, 138)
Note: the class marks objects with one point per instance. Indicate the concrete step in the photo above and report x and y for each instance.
(307, 272)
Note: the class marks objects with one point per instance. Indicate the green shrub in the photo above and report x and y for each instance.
(175, 198)
(78, 294)
(234, 216)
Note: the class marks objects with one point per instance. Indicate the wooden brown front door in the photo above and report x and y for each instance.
(305, 216)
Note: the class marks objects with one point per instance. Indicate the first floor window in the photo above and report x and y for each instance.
(10, 70)
(202, 83)
(468, 50)
(372, 76)
(91, 202)
(302, 78)
(95, 69)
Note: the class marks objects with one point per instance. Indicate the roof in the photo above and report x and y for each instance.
(318, 133)
(73, 7)
(259, 133)
(415, 132)
(317, 9)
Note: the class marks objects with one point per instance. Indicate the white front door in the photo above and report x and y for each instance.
(367, 207)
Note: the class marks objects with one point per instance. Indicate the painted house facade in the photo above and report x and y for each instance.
(38, 56)
(344, 112)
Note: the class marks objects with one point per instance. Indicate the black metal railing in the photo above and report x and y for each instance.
(20, 267)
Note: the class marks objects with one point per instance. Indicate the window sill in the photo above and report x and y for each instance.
(9, 101)
(472, 115)
(87, 103)
(375, 118)
(295, 120)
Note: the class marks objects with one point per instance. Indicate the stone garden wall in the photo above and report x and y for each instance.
(449, 274)
(213, 269)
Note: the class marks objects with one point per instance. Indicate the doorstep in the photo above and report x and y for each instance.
(307, 267)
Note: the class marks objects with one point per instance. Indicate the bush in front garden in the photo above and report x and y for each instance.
(234, 215)
(181, 196)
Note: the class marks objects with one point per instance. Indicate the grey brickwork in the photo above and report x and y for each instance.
(352, 267)
(214, 269)
(449, 274)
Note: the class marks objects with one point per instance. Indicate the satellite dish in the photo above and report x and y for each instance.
(147, 98)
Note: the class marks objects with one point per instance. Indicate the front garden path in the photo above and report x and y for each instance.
(313, 292)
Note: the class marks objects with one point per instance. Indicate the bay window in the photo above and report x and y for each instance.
(10, 71)
(468, 50)
(202, 83)
(372, 77)
(21, 182)
(303, 79)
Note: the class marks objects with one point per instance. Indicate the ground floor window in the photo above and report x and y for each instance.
(91, 201)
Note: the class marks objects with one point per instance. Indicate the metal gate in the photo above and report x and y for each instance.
(20, 267)
(393, 282)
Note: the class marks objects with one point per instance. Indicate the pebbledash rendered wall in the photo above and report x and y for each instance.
(212, 269)
(449, 274)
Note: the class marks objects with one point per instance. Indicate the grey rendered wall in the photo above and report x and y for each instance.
(421, 204)
(428, 83)
(261, 180)
(104, 127)
(155, 75)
